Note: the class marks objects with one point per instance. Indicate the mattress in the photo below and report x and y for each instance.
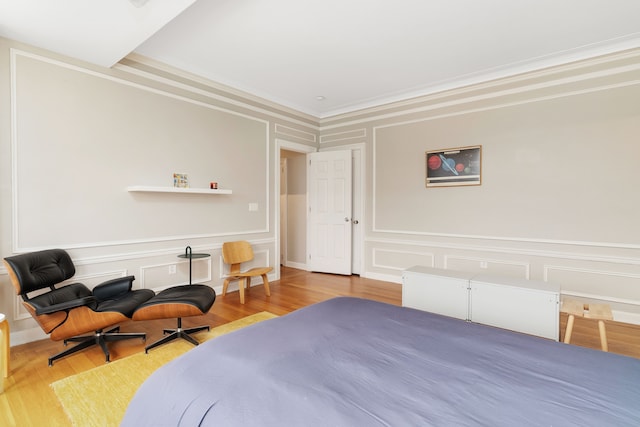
(357, 362)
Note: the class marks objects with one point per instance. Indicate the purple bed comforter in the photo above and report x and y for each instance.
(356, 362)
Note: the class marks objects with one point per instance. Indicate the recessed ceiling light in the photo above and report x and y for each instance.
(320, 98)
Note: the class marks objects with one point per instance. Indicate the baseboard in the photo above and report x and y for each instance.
(27, 336)
(626, 317)
(384, 277)
(298, 265)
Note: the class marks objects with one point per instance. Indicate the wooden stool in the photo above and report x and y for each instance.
(4, 350)
(601, 312)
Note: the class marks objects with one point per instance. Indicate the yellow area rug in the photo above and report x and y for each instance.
(100, 396)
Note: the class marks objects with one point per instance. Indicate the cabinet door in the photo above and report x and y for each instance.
(437, 294)
(529, 311)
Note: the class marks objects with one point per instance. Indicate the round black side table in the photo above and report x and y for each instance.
(190, 255)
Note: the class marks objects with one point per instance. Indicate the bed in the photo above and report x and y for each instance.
(356, 362)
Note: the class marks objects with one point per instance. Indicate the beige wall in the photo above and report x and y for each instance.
(84, 138)
(74, 137)
(560, 174)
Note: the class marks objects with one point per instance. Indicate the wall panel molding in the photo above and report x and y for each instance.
(384, 258)
(575, 256)
(228, 94)
(295, 133)
(343, 136)
(611, 277)
(375, 184)
(514, 239)
(572, 73)
(157, 278)
(484, 263)
(15, 53)
(18, 219)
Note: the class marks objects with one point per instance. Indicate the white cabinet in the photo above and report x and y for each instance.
(526, 306)
(438, 291)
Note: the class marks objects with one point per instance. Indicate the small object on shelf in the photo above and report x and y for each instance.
(213, 185)
(180, 180)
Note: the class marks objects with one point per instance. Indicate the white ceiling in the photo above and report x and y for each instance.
(354, 53)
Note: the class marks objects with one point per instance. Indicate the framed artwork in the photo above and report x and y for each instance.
(180, 180)
(454, 167)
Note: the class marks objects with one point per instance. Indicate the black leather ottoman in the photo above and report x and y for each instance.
(178, 302)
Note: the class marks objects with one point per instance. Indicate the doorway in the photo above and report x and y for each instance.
(293, 217)
(291, 224)
(291, 204)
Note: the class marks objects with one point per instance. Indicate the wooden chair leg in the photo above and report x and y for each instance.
(569, 329)
(242, 283)
(265, 280)
(225, 285)
(603, 336)
(601, 312)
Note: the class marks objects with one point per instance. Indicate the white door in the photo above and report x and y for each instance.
(329, 209)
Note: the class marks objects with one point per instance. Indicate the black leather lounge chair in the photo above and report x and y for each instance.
(67, 311)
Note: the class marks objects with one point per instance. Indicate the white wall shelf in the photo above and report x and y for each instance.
(149, 189)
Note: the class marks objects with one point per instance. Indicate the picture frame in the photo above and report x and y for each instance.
(454, 167)
(180, 180)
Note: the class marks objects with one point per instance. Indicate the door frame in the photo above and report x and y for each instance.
(284, 213)
(283, 144)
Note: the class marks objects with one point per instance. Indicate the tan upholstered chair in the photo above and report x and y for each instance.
(236, 253)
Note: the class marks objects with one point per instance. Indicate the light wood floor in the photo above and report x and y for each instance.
(29, 401)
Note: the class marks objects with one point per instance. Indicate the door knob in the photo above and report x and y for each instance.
(355, 221)
(346, 219)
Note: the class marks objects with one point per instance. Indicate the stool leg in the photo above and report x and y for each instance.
(4, 357)
(569, 330)
(603, 336)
